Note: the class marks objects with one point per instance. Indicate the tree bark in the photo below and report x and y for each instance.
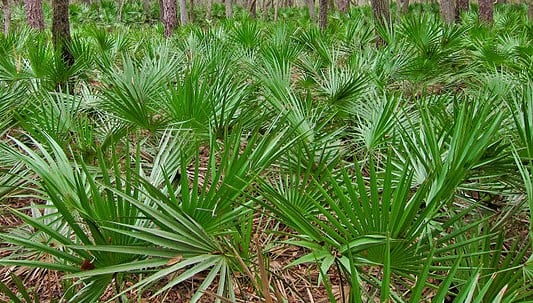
(461, 6)
(344, 5)
(311, 7)
(263, 8)
(323, 14)
(381, 13)
(183, 12)
(276, 8)
(61, 33)
(209, 10)
(170, 19)
(447, 11)
(405, 6)
(34, 14)
(7, 16)
(229, 12)
(486, 11)
(191, 12)
(61, 25)
(252, 5)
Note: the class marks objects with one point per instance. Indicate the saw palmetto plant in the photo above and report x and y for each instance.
(258, 161)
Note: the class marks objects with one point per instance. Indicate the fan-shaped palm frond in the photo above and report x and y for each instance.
(133, 93)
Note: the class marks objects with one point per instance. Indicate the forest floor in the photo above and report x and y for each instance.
(296, 284)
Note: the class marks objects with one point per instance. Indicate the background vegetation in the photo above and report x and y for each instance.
(246, 160)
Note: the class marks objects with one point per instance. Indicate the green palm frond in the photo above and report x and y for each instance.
(133, 92)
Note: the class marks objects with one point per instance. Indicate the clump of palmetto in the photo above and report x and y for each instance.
(273, 161)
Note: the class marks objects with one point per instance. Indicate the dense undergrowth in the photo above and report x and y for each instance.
(401, 173)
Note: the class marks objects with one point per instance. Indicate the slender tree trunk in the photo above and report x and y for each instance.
(323, 14)
(7, 16)
(276, 8)
(447, 11)
(486, 11)
(312, 11)
(405, 6)
(344, 5)
(265, 9)
(34, 14)
(209, 10)
(191, 12)
(61, 33)
(252, 5)
(183, 12)
(170, 18)
(61, 27)
(460, 7)
(381, 13)
(228, 8)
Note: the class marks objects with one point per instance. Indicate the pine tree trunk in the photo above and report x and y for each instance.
(7, 16)
(447, 11)
(405, 6)
(61, 26)
(61, 33)
(276, 8)
(34, 14)
(170, 18)
(228, 8)
(344, 5)
(486, 11)
(183, 12)
(209, 10)
(252, 6)
(323, 14)
(311, 7)
(381, 13)
(264, 9)
(461, 6)
(191, 12)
